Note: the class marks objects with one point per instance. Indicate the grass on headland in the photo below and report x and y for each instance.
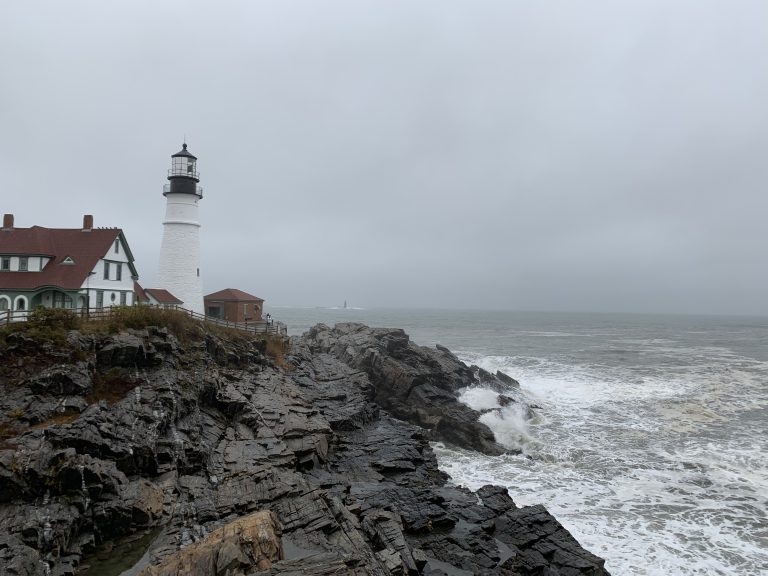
(276, 348)
(44, 325)
(119, 318)
(52, 324)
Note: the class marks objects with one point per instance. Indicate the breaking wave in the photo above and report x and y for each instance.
(660, 471)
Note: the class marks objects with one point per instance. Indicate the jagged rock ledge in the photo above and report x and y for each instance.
(240, 463)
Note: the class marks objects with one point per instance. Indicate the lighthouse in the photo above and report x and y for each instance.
(180, 251)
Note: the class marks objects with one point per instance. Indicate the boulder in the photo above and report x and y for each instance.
(239, 547)
(62, 380)
(17, 559)
(542, 544)
(126, 349)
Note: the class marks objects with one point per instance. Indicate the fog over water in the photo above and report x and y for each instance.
(504, 155)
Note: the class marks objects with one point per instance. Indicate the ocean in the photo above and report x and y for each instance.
(649, 440)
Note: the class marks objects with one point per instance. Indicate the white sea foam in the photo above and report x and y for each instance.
(510, 425)
(509, 422)
(480, 399)
(644, 467)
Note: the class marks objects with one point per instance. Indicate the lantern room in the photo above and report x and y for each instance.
(183, 174)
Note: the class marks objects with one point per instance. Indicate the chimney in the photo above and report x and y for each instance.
(7, 221)
(87, 223)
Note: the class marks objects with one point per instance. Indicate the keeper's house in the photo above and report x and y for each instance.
(74, 268)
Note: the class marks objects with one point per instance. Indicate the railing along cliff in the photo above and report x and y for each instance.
(8, 316)
(260, 327)
(104, 314)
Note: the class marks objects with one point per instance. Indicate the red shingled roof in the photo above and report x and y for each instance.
(162, 296)
(232, 295)
(85, 248)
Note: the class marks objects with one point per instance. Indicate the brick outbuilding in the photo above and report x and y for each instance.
(234, 305)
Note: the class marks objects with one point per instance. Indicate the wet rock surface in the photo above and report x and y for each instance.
(321, 465)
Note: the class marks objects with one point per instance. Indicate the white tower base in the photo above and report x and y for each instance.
(180, 252)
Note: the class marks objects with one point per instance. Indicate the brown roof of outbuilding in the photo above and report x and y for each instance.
(162, 296)
(139, 292)
(85, 248)
(232, 295)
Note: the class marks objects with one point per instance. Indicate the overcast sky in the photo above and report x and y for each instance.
(593, 155)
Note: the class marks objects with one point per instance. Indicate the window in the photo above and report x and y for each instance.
(23, 263)
(106, 270)
(61, 300)
(117, 246)
(112, 297)
(5, 263)
(198, 272)
(100, 299)
(5, 303)
(123, 297)
(119, 271)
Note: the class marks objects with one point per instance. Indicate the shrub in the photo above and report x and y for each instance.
(45, 325)
(120, 318)
(42, 317)
(276, 348)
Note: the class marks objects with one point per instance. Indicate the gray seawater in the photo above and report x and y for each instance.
(650, 442)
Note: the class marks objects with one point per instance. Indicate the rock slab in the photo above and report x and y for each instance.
(251, 542)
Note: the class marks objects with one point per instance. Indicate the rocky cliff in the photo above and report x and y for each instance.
(209, 456)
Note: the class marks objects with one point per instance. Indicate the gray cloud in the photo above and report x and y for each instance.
(548, 155)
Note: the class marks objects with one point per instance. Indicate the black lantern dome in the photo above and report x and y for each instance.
(183, 174)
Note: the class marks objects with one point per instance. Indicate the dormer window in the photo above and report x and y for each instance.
(23, 263)
(5, 264)
(68, 260)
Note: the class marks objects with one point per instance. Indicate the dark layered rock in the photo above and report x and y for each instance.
(411, 382)
(63, 380)
(542, 541)
(232, 465)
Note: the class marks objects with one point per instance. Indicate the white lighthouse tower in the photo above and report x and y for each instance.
(180, 251)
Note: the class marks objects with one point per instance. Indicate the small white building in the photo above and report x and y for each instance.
(71, 268)
(155, 297)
